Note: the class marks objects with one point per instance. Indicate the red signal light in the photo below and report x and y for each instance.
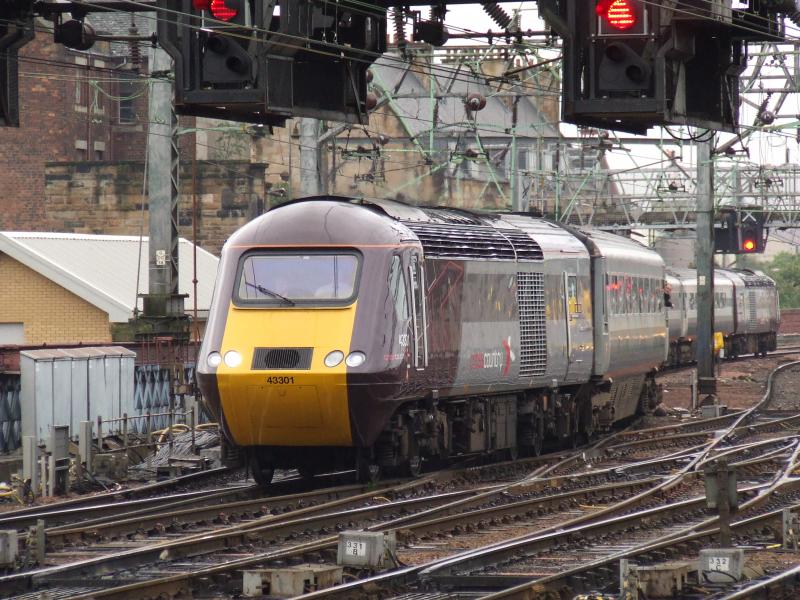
(620, 14)
(221, 11)
(748, 245)
(201, 4)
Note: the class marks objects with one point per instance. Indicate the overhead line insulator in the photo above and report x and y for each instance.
(499, 16)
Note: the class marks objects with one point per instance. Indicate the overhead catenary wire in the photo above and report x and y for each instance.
(73, 65)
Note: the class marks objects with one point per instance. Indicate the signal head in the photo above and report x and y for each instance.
(621, 17)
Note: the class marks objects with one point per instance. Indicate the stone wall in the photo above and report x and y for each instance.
(106, 198)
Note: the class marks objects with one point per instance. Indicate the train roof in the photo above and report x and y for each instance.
(444, 232)
(747, 276)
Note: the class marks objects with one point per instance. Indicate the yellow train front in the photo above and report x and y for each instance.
(282, 337)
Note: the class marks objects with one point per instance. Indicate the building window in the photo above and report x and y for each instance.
(128, 91)
(12, 334)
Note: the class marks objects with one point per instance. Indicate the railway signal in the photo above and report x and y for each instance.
(632, 64)
(740, 231)
(751, 237)
(235, 59)
(625, 59)
(626, 17)
(222, 43)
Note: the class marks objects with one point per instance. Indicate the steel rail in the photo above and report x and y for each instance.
(404, 526)
(145, 519)
(40, 511)
(511, 550)
(11, 520)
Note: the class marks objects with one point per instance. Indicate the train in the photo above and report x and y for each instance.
(366, 334)
(746, 313)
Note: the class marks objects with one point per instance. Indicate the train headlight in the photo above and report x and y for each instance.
(334, 358)
(355, 359)
(214, 359)
(233, 359)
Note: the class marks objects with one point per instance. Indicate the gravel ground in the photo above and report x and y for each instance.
(741, 383)
(787, 392)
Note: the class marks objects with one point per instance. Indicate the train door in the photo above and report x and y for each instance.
(741, 319)
(684, 313)
(571, 309)
(416, 277)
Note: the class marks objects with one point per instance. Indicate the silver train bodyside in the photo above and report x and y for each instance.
(746, 312)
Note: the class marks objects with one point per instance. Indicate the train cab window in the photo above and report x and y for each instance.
(397, 289)
(287, 278)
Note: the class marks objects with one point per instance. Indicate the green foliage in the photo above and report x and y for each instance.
(785, 270)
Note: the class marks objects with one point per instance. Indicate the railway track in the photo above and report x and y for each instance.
(147, 494)
(629, 535)
(601, 490)
(541, 493)
(549, 497)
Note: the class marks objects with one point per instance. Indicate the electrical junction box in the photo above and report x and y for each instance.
(713, 410)
(665, 580)
(289, 581)
(366, 548)
(9, 548)
(720, 565)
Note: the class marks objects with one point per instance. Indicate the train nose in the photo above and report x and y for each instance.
(287, 396)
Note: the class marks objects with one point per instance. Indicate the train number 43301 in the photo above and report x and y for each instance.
(280, 380)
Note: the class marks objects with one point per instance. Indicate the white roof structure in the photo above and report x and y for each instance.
(101, 269)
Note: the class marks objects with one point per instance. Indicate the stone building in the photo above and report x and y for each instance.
(76, 163)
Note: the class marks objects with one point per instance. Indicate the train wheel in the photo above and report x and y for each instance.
(414, 465)
(538, 436)
(263, 471)
(367, 469)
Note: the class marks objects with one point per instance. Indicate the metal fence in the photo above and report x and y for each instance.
(10, 413)
(152, 393)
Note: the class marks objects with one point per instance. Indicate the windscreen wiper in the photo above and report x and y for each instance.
(269, 292)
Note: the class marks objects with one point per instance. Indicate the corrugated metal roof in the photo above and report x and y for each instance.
(69, 353)
(101, 269)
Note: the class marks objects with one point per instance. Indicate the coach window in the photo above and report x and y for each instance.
(572, 295)
(628, 294)
(653, 293)
(638, 289)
